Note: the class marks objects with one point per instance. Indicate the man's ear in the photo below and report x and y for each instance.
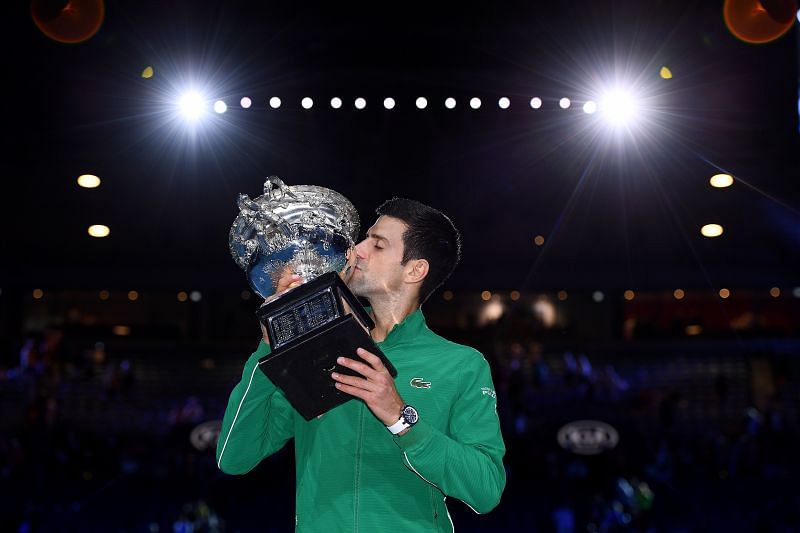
(416, 270)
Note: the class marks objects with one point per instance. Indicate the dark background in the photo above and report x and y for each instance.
(96, 418)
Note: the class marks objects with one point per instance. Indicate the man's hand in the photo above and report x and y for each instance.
(376, 387)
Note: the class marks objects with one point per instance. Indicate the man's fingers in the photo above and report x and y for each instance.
(288, 282)
(372, 359)
(352, 391)
(365, 370)
(354, 381)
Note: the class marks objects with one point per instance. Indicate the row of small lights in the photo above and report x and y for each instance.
(192, 104)
(599, 296)
(182, 296)
(448, 295)
(589, 107)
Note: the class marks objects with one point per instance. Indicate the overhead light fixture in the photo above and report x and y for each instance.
(192, 106)
(98, 230)
(88, 181)
(721, 181)
(711, 230)
(618, 107)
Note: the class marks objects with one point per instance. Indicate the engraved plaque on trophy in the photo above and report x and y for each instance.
(306, 230)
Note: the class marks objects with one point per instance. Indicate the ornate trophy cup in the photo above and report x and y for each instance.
(308, 230)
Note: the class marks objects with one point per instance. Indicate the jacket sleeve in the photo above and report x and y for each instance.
(258, 420)
(468, 463)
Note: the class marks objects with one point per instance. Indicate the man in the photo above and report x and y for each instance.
(386, 461)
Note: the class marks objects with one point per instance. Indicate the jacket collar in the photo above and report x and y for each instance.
(409, 328)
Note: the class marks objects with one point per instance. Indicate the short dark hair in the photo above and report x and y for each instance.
(430, 235)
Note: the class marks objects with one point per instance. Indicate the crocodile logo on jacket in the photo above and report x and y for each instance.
(420, 383)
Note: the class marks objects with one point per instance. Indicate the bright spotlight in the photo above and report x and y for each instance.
(564, 103)
(307, 103)
(388, 103)
(590, 107)
(711, 230)
(88, 181)
(721, 181)
(618, 107)
(336, 102)
(192, 106)
(422, 102)
(536, 102)
(245, 102)
(504, 103)
(274, 102)
(360, 103)
(450, 103)
(220, 107)
(98, 230)
(475, 103)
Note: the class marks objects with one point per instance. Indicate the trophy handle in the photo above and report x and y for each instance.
(261, 211)
(274, 183)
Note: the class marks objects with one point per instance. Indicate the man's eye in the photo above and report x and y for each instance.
(379, 247)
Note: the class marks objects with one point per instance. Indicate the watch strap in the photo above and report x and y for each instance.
(398, 426)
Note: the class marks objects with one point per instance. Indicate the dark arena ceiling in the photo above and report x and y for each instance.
(617, 207)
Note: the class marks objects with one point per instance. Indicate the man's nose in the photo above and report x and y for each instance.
(360, 248)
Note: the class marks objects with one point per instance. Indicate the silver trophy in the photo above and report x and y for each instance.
(308, 230)
(304, 227)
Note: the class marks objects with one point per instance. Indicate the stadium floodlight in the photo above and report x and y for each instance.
(619, 107)
(192, 105)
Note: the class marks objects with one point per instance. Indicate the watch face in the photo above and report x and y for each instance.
(410, 415)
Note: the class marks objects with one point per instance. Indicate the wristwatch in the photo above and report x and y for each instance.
(408, 417)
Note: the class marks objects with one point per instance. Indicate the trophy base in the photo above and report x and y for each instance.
(302, 370)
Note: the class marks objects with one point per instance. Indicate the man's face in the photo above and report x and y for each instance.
(378, 269)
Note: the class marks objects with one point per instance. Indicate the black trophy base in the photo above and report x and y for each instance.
(302, 370)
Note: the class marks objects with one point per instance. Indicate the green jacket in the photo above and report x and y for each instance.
(352, 474)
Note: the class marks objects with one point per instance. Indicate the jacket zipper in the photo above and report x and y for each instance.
(435, 513)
